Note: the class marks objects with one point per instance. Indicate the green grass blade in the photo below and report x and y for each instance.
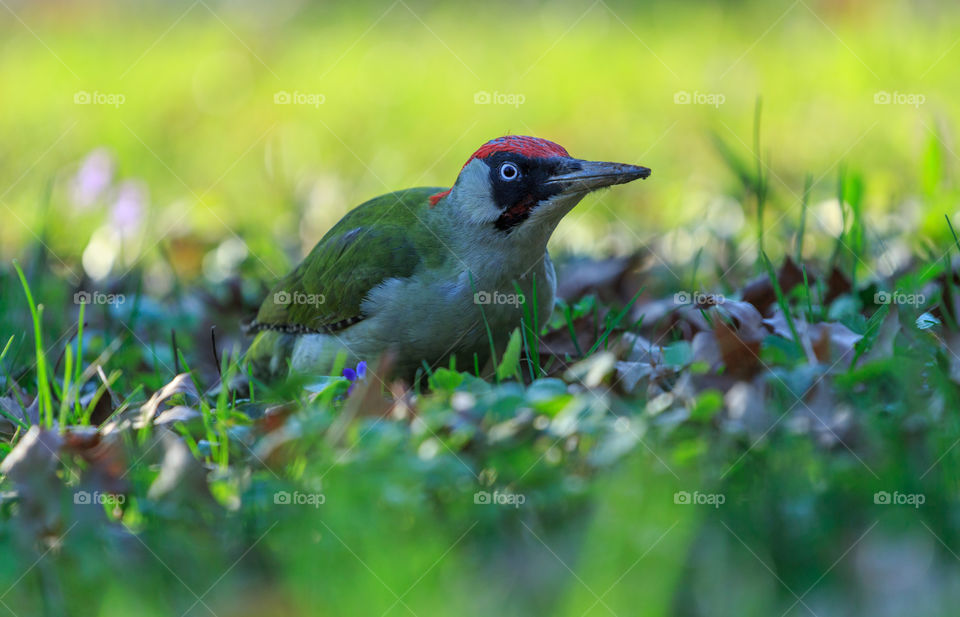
(509, 366)
(568, 318)
(806, 289)
(45, 402)
(781, 299)
(530, 331)
(79, 366)
(486, 324)
(67, 381)
(616, 322)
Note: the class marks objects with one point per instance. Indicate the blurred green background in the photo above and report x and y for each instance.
(182, 143)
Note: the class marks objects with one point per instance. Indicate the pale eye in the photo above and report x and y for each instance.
(509, 172)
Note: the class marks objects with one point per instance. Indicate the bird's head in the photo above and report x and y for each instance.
(517, 183)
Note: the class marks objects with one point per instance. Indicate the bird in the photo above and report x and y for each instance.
(432, 273)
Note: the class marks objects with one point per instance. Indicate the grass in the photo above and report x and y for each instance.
(591, 455)
(630, 455)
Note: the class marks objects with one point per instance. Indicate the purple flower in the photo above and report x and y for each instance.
(92, 179)
(355, 375)
(126, 215)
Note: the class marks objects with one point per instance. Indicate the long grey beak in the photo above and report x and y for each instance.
(578, 176)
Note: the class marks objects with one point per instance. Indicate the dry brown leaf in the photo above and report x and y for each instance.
(760, 291)
(682, 320)
(275, 417)
(826, 342)
(740, 356)
(35, 453)
(739, 342)
(655, 313)
(747, 319)
(31, 466)
(837, 285)
(105, 456)
(11, 405)
(832, 342)
(177, 413)
(704, 349)
(182, 477)
(614, 280)
(181, 384)
(101, 410)
(777, 324)
(639, 349)
(634, 375)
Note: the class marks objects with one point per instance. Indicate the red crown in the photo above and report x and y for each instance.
(532, 147)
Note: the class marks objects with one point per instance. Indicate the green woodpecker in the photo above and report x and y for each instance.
(423, 273)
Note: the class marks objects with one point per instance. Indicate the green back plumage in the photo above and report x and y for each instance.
(383, 238)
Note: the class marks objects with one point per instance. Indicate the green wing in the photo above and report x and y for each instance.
(380, 239)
